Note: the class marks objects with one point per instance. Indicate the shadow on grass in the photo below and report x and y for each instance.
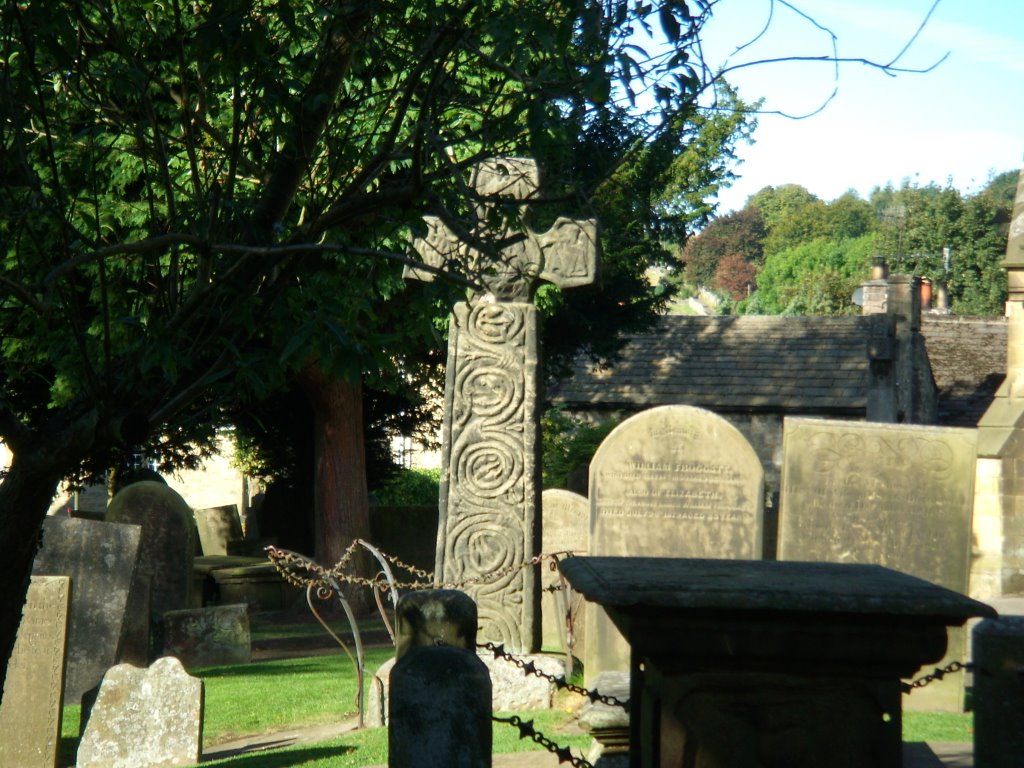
(283, 758)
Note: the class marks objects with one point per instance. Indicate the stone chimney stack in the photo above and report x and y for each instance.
(874, 293)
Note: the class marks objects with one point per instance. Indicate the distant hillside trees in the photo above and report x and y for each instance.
(789, 252)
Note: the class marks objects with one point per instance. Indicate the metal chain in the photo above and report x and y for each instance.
(937, 674)
(527, 731)
(301, 571)
(529, 668)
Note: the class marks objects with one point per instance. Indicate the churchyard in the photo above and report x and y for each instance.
(701, 639)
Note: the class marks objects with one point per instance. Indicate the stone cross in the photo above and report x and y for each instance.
(490, 491)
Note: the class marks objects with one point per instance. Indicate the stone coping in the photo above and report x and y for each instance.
(712, 586)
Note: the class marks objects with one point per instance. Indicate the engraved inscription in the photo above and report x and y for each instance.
(674, 481)
(30, 714)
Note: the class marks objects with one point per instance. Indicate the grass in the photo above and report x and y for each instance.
(271, 696)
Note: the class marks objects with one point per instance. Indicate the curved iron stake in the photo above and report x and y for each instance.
(358, 659)
(392, 588)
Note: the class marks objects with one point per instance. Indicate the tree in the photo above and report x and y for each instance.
(204, 203)
(814, 278)
(736, 276)
(739, 233)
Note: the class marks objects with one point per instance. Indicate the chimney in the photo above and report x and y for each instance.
(874, 293)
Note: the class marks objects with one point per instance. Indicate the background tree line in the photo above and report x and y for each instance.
(789, 252)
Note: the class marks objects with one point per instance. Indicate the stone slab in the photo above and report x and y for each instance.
(893, 495)
(211, 636)
(31, 710)
(220, 529)
(672, 481)
(101, 559)
(144, 717)
(565, 527)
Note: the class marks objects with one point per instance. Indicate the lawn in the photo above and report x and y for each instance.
(270, 696)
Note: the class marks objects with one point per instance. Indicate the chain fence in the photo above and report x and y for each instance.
(303, 572)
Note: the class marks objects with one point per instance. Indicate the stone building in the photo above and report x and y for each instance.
(757, 370)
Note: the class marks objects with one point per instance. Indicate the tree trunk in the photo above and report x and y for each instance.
(341, 502)
(24, 499)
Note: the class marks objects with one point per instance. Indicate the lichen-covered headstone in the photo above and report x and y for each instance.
(100, 558)
(220, 530)
(167, 548)
(205, 637)
(31, 711)
(897, 495)
(144, 718)
(674, 481)
(566, 527)
(440, 697)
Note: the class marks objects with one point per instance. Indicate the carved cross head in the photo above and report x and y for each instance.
(499, 253)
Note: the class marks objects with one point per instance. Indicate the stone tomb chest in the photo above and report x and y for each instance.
(743, 664)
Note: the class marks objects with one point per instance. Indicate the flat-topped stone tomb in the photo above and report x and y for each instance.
(749, 663)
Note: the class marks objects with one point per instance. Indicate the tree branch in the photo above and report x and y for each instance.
(314, 107)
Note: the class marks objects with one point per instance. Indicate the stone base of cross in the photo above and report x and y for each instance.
(490, 490)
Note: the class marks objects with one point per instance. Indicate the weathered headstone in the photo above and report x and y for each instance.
(100, 558)
(144, 717)
(204, 637)
(565, 527)
(167, 548)
(220, 530)
(998, 695)
(673, 481)
(31, 711)
(489, 503)
(440, 697)
(888, 494)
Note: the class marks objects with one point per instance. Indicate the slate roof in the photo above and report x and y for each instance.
(968, 359)
(815, 365)
(808, 365)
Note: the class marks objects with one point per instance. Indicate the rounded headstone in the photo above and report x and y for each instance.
(167, 546)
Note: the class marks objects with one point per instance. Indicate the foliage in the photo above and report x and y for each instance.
(568, 444)
(648, 195)
(935, 232)
(740, 232)
(736, 276)
(410, 486)
(815, 278)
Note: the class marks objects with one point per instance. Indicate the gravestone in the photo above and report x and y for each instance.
(439, 710)
(100, 558)
(672, 481)
(888, 494)
(998, 693)
(220, 530)
(167, 548)
(144, 717)
(205, 637)
(489, 520)
(565, 527)
(31, 711)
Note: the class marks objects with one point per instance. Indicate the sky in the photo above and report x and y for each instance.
(962, 121)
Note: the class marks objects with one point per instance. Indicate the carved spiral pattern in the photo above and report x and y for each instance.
(491, 469)
(496, 323)
(486, 528)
